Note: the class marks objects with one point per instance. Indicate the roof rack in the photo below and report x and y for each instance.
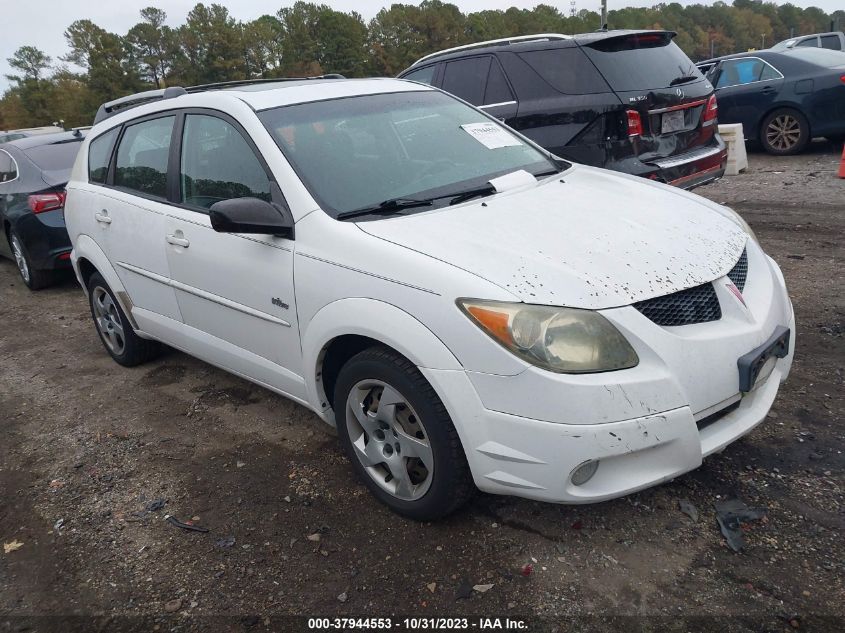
(540, 37)
(112, 108)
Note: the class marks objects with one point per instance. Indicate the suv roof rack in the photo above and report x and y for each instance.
(111, 108)
(540, 37)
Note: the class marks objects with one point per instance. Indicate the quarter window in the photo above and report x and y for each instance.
(99, 153)
(498, 90)
(467, 78)
(810, 41)
(218, 164)
(423, 75)
(8, 169)
(142, 157)
(567, 71)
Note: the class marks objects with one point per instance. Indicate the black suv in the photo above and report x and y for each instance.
(631, 101)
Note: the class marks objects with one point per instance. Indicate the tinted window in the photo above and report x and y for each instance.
(810, 41)
(736, 72)
(832, 42)
(359, 151)
(467, 78)
(218, 164)
(566, 70)
(142, 157)
(7, 167)
(641, 62)
(498, 90)
(5, 138)
(99, 153)
(423, 75)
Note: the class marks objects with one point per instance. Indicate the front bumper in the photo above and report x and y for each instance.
(519, 456)
(524, 435)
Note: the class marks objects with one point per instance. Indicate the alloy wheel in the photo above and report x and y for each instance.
(389, 439)
(20, 259)
(783, 132)
(108, 320)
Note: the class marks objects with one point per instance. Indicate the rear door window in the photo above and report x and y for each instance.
(566, 70)
(142, 157)
(467, 78)
(832, 42)
(8, 169)
(738, 72)
(218, 164)
(99, 155)
(641, 62)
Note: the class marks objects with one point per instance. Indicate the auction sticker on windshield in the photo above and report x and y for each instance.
(490, 135)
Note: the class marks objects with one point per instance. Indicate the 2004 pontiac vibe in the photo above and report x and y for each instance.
(468, 310)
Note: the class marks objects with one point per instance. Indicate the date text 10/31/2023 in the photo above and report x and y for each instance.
(417, 624)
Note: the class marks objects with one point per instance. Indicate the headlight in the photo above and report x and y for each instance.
(563, 340)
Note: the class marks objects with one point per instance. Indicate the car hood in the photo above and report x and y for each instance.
(596, 240)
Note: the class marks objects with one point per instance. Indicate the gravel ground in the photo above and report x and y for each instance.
(87, 447)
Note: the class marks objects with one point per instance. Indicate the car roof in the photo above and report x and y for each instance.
(526, 43)
(37, 140)
(764, 55)
(258, 95)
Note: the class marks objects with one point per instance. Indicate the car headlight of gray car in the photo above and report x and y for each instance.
(563, 340)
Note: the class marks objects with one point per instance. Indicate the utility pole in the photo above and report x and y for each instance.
(603, 15)
(572, 11)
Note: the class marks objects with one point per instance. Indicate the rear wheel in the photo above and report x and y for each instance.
(784, 131)
(399, 437)
(33, 278)
(115, 331)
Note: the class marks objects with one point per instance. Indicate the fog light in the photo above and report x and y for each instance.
(584, 473)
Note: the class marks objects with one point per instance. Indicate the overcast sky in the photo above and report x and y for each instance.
(42, 23)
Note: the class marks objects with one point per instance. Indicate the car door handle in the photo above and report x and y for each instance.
(103, 217)
(178, 241)
(768, 90)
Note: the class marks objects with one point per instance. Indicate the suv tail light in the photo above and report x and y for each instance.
(710, 110)
(41, 202)
(635, 123)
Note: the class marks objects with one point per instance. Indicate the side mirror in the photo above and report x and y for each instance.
(251, 215)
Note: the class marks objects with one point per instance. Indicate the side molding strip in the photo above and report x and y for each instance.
(204, 295)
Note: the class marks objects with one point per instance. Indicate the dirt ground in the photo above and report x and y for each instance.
(86, 446)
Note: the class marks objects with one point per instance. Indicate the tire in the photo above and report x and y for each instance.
(401, 415)
(113, 328)
(784, 132)
(33, 278)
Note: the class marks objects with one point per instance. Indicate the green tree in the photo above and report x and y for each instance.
(153, 46)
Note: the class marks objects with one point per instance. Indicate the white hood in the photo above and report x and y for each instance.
(595, 241)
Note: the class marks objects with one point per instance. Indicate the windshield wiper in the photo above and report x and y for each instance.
(682, 80)
(469, 194)
(387, 207)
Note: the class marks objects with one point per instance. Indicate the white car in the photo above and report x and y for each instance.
(468, 310)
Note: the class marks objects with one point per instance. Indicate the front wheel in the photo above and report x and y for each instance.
(115, 331)
(784, 132)
(399, 436)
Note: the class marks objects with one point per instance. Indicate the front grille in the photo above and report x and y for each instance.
(740, 271)
(693, 305)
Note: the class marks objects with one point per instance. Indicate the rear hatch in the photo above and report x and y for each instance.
(656, 80)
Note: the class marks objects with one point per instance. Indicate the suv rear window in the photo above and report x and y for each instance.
(641, 62)
(566, 70)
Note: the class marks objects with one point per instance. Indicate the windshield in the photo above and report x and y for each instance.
(358, 152)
